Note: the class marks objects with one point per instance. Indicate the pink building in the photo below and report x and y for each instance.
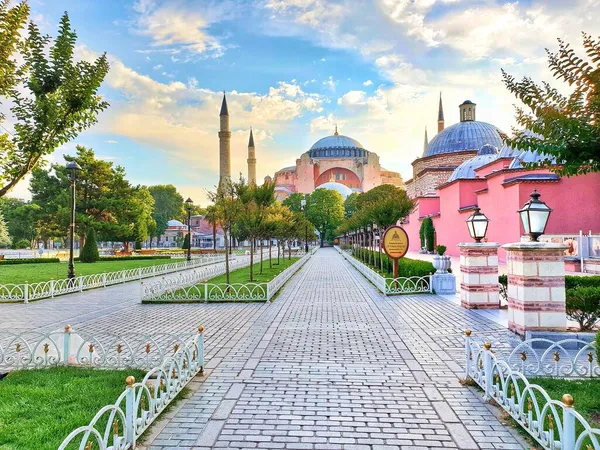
(493, 178)
(337, 162)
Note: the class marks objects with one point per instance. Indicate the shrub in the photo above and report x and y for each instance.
(440, 249)
(598, 345)
(10, 262)
(429, 233)
(583, 305)
(21, 244)
(186, 242)
(503, 282)
(138, 245)
(89, 252)
(406, 267)
(128, 258)
(574, 281)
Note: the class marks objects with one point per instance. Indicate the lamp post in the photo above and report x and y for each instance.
(534, 215)
(477, 224)
(72, 168)
(303, 207)
(188, 206)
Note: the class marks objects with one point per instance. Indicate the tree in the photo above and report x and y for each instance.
(52, 97)
(350, 205)
(294, 202)
(186, 242)
(325, 210)
(168, 204)
(5, 240)
(21, 219)
(211, 217)
(89, 252)
(564, 129)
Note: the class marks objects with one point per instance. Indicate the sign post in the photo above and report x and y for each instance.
(395, 245)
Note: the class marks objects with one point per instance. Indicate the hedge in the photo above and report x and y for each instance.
(583, 305)
(125, 258)
(406, 267)
(8, 262)
(574, 281)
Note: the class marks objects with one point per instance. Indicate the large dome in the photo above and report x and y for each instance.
(467, 135)
(466, 170)
(344, 190)
(336, 146)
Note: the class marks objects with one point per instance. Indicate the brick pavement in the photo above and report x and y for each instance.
(331, 364)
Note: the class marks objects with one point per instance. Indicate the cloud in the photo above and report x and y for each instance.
(326, 123)
(112, 142)
(330, 83)
(352, 98)
(367, 83)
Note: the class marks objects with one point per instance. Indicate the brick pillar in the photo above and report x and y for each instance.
(536, 286)
(479, 275)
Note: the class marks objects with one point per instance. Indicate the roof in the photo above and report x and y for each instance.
(251, 140)
(341, 146)
(224, 110)
(463, 136)
(487, 153)
(344, 190)
(440, 110)
(528, 156)
(508, 152)
(533, 177)
(175, 223)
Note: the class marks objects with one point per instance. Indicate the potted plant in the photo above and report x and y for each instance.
(441, 262)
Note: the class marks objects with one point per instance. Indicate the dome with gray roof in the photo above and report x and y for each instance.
(486, 154)
(344, 190)
(463, 136)
(337, 146)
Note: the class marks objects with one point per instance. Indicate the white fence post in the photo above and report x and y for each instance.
(206, 292)
(104, 279)
(139, 269)
(568, 437)
(51, 287)
(487, 370)
(468, 356)
(123, 275)
(81, 284)
(201, 349)
(67, 344)
(130, 412)
(26, 299)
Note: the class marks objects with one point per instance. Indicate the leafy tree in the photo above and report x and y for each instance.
(168, 204)
(428, 233)
(52, 97)
(294, 202)
(211, 217)
(186, 242)
(325, 210)
(89, 252)
(5, 240)
(350, 205)
(22, 219)
(21, 244)
(565, 129)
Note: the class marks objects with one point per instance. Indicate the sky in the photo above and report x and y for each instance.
(292, 69)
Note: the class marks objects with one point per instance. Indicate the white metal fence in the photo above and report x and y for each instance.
(390, 286)
(193, 285)
(553, 424)
(119, 426)
(51, 288)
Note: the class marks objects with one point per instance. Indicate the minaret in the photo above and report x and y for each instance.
(425, 142)
(440, 115)
(224, 144)
(251, 160)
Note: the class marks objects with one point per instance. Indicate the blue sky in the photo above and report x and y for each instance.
(294, 68)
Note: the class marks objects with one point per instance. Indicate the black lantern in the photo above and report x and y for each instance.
(534, 215)
(188, 206)
(73, 169)
(477, 224)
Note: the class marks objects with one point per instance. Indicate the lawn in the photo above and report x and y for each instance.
(39, 408)
(243, 275)
(19, 273)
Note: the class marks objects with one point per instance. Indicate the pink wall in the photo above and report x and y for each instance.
(425, 207)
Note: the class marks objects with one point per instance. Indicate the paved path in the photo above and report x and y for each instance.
(331, 364)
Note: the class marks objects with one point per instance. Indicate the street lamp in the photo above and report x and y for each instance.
(72, 169)
(534, 215)
(477, 224)
(303, 207)
(188, 207)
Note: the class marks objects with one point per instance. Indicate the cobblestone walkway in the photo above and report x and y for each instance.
(331, 364)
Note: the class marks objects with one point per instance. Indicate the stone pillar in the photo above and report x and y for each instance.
(479, 275)
(536, 286)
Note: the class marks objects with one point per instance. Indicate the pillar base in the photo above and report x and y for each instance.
(444, 283)
(479, 275)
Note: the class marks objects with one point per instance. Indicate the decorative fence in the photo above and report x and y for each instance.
(553, 424)
(119, 426)
(390, 286)
(48, 289)
(192, 287)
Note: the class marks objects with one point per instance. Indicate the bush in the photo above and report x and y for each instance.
(574, 281)
(186, 242)
(89, 252)
(21, 244)
(440, 249)
(428, 233)
(406, 267)
(127, 258)
(138, 245)
(583, 305)
(10, 262)
(503, 282)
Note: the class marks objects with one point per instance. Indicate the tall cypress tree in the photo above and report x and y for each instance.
(89, 252)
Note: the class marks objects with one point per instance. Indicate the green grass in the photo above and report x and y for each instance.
(243, 275)
(39, 408)
(35, 273)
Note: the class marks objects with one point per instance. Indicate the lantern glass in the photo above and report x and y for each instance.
(477, 225)
(534, 216)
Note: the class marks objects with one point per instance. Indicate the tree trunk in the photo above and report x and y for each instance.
(251, 260)
(261, 256)
(226, 257)
(278, 250)
(215, 237)
(126, 247)
(270, 253)
(289, 250)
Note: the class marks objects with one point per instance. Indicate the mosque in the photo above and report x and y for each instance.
(334, 162)
(469, 165)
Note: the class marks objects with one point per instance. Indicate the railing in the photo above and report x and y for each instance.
(553, 424)
(190, 287)
(119, 426)
(33, 349)
(52, 288)
(390, 286)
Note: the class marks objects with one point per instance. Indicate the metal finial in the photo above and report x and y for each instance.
(130, 380)
(568, 400)
(336, 131)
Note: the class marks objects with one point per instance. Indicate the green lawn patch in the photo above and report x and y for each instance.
(34, 273)
(40, 407)
(243, 275)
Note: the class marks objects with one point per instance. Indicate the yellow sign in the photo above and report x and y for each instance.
(395, 242)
